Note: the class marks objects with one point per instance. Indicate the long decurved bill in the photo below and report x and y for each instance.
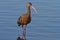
(34, 8)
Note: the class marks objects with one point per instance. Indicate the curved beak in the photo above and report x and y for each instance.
(34, 9)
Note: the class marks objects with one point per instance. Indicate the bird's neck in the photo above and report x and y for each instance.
(28, 10)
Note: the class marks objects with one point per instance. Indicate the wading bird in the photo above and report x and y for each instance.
(25, 19)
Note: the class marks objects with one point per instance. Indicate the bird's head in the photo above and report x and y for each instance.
(29, 4)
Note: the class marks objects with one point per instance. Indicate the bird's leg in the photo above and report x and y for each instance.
(18, 31)
(24, 32)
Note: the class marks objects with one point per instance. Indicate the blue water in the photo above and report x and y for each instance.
(44, 26)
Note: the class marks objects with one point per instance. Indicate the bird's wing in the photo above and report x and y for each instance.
(19, 20)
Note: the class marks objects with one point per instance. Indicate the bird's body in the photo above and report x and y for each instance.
(24, 19)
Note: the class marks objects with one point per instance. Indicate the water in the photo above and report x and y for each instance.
(44, 26)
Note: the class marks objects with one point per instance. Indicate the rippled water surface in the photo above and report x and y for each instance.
(44, 26)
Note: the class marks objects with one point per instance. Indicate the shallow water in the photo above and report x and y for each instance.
(44, 26)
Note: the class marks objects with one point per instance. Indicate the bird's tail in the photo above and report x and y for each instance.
(18, 23)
